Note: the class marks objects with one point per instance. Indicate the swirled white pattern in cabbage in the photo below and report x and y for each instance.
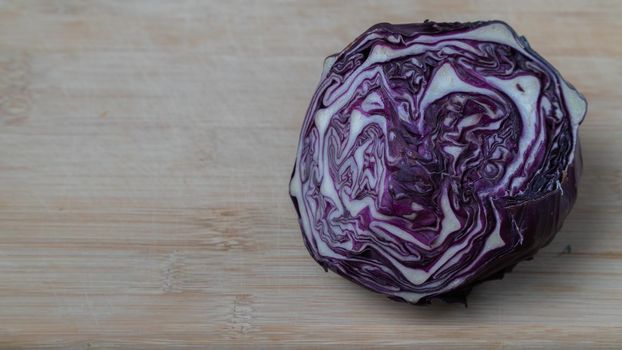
(435, 156)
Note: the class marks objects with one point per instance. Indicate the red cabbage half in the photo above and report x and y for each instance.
(435, 156)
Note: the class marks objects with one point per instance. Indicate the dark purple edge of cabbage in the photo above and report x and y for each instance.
(557, 203)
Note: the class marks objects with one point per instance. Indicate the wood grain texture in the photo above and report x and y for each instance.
(145, 151)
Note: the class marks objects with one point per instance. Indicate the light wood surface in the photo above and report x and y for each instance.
(145, 151)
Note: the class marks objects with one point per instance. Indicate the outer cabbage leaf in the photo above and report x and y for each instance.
(435, 156)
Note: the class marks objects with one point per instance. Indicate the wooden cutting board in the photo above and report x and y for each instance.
(145, 151)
